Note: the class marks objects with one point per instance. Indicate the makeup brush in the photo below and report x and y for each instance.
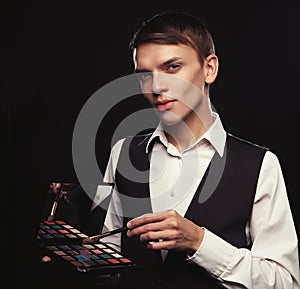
(54, 206)
(102, 235)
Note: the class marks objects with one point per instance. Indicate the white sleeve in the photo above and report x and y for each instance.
(273, 261)
(114, 216)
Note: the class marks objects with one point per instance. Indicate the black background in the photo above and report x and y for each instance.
(55, 55)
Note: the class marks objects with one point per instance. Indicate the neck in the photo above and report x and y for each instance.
(184, 134)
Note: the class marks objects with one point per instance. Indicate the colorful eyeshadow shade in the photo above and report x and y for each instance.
(58, 232)
(65, 243)
(88, 257)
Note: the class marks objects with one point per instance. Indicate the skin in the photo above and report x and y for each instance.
(177, 86)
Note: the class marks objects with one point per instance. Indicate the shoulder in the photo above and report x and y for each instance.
(270, 161)
(116, 148)
(245, 143)
(118, 143)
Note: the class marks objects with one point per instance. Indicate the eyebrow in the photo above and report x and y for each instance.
(167, 62)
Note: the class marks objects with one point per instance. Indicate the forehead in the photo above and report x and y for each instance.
(149, 55)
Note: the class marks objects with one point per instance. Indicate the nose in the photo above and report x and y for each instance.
(159, 83)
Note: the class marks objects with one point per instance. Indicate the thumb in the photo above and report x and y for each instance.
(46, 259)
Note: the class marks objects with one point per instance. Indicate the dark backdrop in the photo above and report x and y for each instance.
(55, 55)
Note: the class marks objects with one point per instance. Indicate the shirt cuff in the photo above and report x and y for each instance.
(214, 254)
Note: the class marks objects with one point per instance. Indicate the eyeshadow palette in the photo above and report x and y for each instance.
(91, 257)
(58, 232)
(64, 242)
(61, 239)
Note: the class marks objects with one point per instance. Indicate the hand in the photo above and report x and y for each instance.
(171, 229)
(55, 188)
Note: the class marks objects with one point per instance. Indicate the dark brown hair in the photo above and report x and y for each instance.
(173, 27)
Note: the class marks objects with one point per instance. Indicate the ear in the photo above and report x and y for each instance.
(211, 66)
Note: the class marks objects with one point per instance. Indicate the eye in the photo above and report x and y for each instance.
(173, 67)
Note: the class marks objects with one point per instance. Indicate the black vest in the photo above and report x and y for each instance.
(225, 212)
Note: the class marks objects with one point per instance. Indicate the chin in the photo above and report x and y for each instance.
(169, 119)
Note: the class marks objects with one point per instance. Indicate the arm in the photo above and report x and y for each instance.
(113, 219)
(273, 260)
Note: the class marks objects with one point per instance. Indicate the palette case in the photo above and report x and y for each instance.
(64, 243)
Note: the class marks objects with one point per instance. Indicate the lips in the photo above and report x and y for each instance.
(164, 104)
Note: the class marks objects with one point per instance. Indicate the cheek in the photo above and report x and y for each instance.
(192, 92)
(148, 97)
(190, 99)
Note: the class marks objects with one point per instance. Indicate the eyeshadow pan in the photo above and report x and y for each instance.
(46, 236)
(51, 231)
(102, 262)
(74, 230)
(64, 247)
(59, 252)
(78, 247)
(71, 236)
(125, 260)
(97, 251)
(101, 246)
(114, 261)
(84, 252)
(94, 257)
(88, 246)
(61, 222)
(72, 252)
(107, 250)
(81, 257)
(51, 248)
(64, 231)
(105, 256)
(68, 258)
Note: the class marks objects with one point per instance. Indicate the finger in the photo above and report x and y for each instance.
(144, 229)
(147, 218)
(46, 259)
(55, 187)
(162, 245)
(148, 227)
(159, 235)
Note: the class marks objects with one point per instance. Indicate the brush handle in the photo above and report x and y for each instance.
(53, 210)
(105, 234)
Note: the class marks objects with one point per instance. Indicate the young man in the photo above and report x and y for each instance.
(204, 209)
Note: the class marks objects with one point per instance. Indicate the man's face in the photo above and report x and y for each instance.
(172, 80)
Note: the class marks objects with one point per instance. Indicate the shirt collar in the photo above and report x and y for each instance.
(215, 134)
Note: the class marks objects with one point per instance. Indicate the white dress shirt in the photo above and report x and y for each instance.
(273, 260)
